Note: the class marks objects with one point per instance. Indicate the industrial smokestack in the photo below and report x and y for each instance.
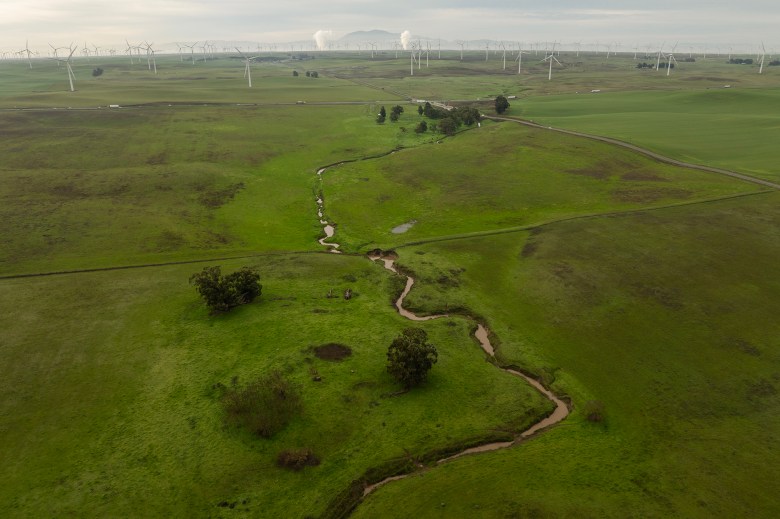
(406, 37)
(321, 38)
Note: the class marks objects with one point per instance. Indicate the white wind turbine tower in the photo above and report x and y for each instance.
(671, 58)
(550, 58)
(658, 61)
(487, 50)
(763, 55)
(503, 48)
(247, 68)
(129, 50)
(520, 60)
(150, 53)
(192, 51)
(71, 75)
(27, 50)
(462, 44)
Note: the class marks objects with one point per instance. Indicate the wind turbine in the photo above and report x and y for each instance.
(462, 44)
(192, 51)
(658, 61)
(550, 58)
(27, 50)
(763, 55)
(671, 58)
(129, 50)
(247, 68)
(150, 54)
(71, 75)
(520, 60)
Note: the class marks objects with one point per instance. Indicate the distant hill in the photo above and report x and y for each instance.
(372, 35)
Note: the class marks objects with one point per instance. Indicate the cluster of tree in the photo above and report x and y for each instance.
(222, 293)
(97, 71)
(380, 118)
(645, 65)
(295, 73)
(663, 65)
(396, 112)
(410, 357)
(740, 61)
(313, 73)
(448, 120)
(774, 63)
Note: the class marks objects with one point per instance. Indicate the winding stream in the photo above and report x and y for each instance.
(327, 228)
(481, 334)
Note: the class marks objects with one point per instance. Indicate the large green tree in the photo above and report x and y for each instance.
(410, 357)
(222, 293)
(501, 104)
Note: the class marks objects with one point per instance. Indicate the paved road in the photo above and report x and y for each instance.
(643, 151)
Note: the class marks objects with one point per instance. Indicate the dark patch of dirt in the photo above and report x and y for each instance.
(218, 198)
(665, 296)
(68, 191)
(158, 159)
(643, 176)
(650, 194)
(169, 240)
(529, 249)
(592, 172)
(709, 78)
(761, 389)
(746, 347)
(332, 351)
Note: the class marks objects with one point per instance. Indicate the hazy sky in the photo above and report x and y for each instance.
(109, 22)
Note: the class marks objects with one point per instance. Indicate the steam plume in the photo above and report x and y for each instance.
(406, 37)
(321, 38)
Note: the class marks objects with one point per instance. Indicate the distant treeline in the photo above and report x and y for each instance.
(740, 61)
(663, 65)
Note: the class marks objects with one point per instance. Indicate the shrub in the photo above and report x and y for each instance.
(222, 293)
(421, 128)
(97, 71)
(295, 73)
(264, 406)
(297, 459)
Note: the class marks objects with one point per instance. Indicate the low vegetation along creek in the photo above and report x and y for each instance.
(388, 258)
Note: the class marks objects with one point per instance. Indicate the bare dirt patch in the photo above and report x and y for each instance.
(219, 197)
(643, 176)
(649, 194)
(332, 351)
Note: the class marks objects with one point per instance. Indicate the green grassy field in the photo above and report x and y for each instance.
(668, 318)
(733, 129)
(98, 188)
(216, 81)
(613, 278)
(109, 408)
(501, 176)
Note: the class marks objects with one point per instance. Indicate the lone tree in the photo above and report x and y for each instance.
(295, 73)
(410, 357)
(421, 128)
(222, 293)
(383, 112)
(501, 104)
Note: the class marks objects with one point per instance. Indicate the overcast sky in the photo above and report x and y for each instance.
(110, 22)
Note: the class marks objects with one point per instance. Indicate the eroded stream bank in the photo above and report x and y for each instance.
(481, 334)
